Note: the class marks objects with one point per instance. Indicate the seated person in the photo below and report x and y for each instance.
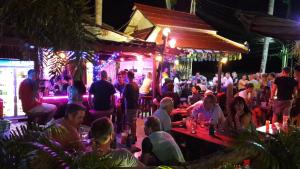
(69, 137)
(239, 118)
(146, 86)
(29, 96)
(159, 147)
(248, 95)
(163, 113)
(209, 110)
(196, 95)
(102, 136)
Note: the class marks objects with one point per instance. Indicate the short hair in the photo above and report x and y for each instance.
(166, 102)
(101, 130)
(31, 71)
(130, 75)
(274, 75)
(103, 74)
(197, 88)
(286, 70)
(249, 85)
(153, 123)
(79, 85)
(73, 109)
(297, 68)
(211, 98)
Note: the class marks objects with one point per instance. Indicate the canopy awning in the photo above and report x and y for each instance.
(280, 28)
(190, 31)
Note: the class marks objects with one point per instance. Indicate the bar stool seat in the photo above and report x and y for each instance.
(145, 106)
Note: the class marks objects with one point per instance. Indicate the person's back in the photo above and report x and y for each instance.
(28, 91)
(102, 91)
(285, 87)
(145, 88)
(122, 158)
(165, 148)
(164, 118)
(131, 94)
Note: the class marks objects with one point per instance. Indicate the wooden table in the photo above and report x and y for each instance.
(203, 134)
(179, 111)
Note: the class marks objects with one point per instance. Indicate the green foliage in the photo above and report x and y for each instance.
(280, 151)
(32, 147)
(58, 25)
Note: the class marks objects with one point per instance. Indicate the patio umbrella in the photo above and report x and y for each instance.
(280, 28)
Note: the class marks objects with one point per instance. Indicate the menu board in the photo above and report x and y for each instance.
(7, 90)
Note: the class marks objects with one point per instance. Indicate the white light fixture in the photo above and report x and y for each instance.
(176, 62)
(158, 58)
(224, 60)
(172, 43)
(166, 31)
(139, 57)
(122, 59)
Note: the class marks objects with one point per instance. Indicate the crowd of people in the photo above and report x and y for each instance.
(243, 104)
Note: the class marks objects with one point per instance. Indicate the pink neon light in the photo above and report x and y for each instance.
(60, 97)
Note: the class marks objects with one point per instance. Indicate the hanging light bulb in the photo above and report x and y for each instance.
(166, 32)
(172, 43)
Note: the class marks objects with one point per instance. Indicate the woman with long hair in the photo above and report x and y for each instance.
(240, 117)
(76, 92)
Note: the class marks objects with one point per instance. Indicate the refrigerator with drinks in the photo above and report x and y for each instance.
(12, 73)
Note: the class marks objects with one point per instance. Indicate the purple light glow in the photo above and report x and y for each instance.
(60, 97)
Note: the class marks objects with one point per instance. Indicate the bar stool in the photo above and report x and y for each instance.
(145, 106)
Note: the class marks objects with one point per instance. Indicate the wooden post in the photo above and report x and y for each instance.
(219, 76)
(154, 79)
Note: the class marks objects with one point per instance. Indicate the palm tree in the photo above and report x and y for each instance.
(56, 25)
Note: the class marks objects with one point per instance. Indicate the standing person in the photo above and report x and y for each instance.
(242, 83)
(271, 79)
(234, 78)
(131, 96)
(29, 96)
(177, 84)
(285, 87)
(227, 80)
(119, 106)
(295, 113)
(103, 91)
(76, 92)
(159, 147)
(146, 86)
(254, 81)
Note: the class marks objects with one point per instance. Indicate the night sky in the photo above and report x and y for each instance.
(117, 13)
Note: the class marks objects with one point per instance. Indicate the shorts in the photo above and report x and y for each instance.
(131, 116)
(282, 107)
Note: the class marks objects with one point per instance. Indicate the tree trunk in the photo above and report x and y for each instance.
(267, 41)
(168, 4)
(98, 11)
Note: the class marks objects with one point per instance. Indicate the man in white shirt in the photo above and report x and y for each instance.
(209, 110)
(227, 80)
(248, 94)
(146, 86)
